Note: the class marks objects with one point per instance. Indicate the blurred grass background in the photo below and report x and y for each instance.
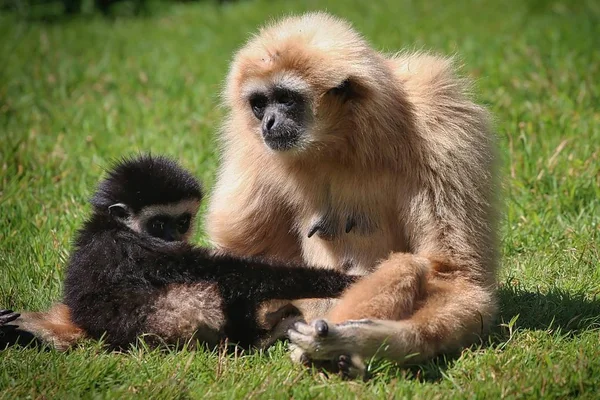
(80, 89)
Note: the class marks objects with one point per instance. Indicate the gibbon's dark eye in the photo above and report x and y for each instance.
(156, 226)
(183, 223)
(344, 89)
(285, 97)
(258, 103)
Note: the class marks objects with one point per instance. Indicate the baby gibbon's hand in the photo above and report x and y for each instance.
(7, 316)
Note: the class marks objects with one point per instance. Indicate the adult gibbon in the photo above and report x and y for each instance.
(346, 158)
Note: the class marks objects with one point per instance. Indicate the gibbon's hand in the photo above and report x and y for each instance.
(328, 227)
(329, 346)
(7, 316)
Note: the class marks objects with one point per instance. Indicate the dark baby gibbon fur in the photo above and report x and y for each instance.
(122, 283)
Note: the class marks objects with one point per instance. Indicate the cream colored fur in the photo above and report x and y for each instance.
(412, 155)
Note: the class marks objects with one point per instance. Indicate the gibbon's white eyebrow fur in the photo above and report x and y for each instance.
(285, 79)
(137, 221)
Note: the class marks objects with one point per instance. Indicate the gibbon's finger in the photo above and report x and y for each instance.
(7, 316)
(326, 227)
(351, 223)
(313, 230)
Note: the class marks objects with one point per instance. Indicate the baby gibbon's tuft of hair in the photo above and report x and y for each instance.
(146, 180)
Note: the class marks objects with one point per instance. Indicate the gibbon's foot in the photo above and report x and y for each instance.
(346, 366)
(7, 316)
(328, 346)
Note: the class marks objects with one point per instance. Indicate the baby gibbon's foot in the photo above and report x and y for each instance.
(327, 346)
(7, 316)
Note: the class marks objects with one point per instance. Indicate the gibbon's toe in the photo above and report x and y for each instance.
(304, 337)
(299, 356)
(321, 327)
(344, 364)
(350, 367)
(305, 359)
(301, 328)
(7, 316)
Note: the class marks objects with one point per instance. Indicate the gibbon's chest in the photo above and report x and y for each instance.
(349, 224)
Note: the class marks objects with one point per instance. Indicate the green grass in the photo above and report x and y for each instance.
(75, 94)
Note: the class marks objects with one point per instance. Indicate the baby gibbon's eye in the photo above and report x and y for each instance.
(183, 223)
(258, 103)
(156, 226)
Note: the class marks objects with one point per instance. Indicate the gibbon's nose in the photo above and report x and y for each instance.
(270, 123)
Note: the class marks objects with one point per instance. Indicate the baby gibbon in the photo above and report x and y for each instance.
(132, 272)
(381, 165)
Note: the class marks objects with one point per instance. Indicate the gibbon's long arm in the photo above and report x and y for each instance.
(139, 272)
(254, 279)
(121, 299)
(150, 261)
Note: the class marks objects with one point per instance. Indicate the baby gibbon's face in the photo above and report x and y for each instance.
(169, 222)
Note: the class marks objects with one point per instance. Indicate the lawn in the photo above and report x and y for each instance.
(77, 93)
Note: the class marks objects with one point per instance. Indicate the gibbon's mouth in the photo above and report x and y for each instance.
(281, 142)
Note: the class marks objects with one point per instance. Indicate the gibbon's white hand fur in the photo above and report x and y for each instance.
(382, 165)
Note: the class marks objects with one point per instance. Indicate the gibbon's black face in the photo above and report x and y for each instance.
(167, 227)
(150, 195)
(283, 114)
(169, 222)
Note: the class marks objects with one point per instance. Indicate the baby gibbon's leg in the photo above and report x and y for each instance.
(411, 309)
(53, 327)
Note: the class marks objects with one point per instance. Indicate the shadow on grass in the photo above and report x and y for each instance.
(555, 311)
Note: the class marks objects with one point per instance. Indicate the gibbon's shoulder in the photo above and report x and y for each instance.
(429, 74)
